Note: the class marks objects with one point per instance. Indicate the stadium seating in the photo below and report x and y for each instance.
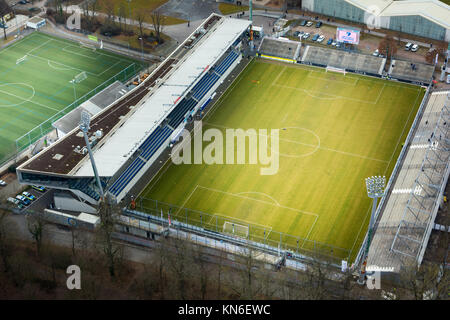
(147, 149)
(177, 115)
(227, 62)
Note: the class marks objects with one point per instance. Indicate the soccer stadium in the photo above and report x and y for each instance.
(44, 77)
(340, 120)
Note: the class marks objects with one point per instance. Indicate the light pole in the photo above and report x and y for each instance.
(129, 9)
(84, 126)
(375, 190)
(142, 48)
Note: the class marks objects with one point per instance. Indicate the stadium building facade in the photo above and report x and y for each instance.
(424, 18)
(129, 135)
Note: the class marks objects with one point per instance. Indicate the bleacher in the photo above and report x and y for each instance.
(343, 59)
(280, 48)
(147, 150)
(178, 114)
(176, 117)
(84, 186)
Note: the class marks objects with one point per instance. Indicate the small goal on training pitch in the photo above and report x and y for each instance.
(235, 229)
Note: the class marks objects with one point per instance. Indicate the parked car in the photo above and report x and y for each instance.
(303, 23)
(15, 201)
(408, 46)
(319, 24)
(29, 196)
(338, 45)
(38, 188)
(296, 33)
(330, 41)
(3, 26)
(321, 38)
(2, 183)
(448, 79)
(376, 53)
(414, 48)
(309, 23)
(23, 200)
(306, 36)
(316, 36)
(334, 43)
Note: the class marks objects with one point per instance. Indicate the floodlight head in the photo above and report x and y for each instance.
(375, 186)
(85, 121)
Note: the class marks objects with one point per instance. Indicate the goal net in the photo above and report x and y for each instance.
(20, 60)
(235, 229)
(79, 77)
(88, 46)
(334, 69)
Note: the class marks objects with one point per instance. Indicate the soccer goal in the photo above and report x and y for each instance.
(235, 229)
(23, 59)
(79, 77)
(334, 69)
(88, 46)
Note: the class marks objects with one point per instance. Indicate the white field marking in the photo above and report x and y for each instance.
(314, 94)
(309, 232)
(318, 146)
(39, 46)
(385, 170)
(98, 53)
(56, 68)
(260, 193)
(262, 201)
(24, 100)
(228, 91)
(354, 76)
(77, 53)
(279, 75)
(74, 68)
(186, 200)
(333, 80)
(240, 220)
(36, 103)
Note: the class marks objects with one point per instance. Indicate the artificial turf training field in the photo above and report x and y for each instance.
(38, 88)
(335, 130)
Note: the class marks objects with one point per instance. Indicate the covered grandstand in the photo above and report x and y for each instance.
(139, 126)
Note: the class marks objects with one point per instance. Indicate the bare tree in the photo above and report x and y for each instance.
(36, 225)
(108, 213)
(140, 16)
(7, 228)
(4, 10)
(158, 24)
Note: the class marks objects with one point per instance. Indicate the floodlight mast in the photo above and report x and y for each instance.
(84, 126)
(375, 189)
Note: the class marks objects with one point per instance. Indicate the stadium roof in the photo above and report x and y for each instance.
(433, 10)
(113, 152)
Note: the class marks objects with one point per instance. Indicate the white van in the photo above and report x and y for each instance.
(408, 46)
(414, 48)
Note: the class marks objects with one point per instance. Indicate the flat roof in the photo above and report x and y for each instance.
(433, 10)
(113, 151)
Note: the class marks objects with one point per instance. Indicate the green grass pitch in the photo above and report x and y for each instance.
(335, 130)
(38, 88)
